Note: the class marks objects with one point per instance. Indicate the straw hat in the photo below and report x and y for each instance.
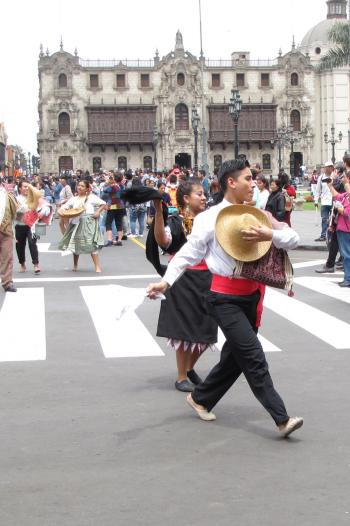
(228, 229)
(33, 197)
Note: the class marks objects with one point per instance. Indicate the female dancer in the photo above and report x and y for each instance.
(184, 316)
(83, 235)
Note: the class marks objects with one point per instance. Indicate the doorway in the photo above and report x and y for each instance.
(65, 163)
(296, 160)
(183, 160)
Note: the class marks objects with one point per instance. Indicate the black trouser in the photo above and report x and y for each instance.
(24, 233)
(333, 248)
(241, 353)
(117, 216)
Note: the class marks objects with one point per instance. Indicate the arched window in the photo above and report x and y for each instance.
(295, 120)
(122, 163)
(147, 162)
(217, 161)
(294, 79)
(181, 117)
(63, 124)
(62, 80)
(96, 164)
(180, 79)
(266, 161)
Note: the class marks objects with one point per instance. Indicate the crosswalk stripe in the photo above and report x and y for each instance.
(123, 338)
(326, 286)
(266, 344)
(22, 326)
(324, 326)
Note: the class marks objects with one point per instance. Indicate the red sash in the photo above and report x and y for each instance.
(240, 287)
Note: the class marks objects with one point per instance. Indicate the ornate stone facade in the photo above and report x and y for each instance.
(131, 113)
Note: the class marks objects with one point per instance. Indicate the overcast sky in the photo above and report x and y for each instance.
(133, 29)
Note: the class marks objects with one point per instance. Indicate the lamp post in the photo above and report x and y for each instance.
(29, 164)
(235, 108)
(155, 143)
(283, 137)
(333, 141)
(195, 125)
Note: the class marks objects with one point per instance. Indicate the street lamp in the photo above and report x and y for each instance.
(333, 141)
(29, 164)
(235, 108)
(155, 142)
(283, 137)
(195, 125)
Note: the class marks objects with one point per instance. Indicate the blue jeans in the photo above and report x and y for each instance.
(325, 211)
(344, 247)
(137, 215)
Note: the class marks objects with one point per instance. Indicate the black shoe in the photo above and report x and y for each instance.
(118, 244)
(10, 288)
(344, 284)
(125, 237)
(184, 386)
(325, 270)
(320, 239)
(193, 376)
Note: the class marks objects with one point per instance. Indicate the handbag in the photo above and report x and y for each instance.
(273, 269)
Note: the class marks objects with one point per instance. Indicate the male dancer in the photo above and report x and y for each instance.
(234, 302)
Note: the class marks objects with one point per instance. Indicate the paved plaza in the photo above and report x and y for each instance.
(94, 432)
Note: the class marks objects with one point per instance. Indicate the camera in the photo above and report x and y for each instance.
(327, 180)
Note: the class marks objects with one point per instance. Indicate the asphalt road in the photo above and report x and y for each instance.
(91, 440)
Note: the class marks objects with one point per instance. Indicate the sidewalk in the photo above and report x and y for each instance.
(308, 225)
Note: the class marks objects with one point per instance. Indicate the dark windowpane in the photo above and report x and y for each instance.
(63, 124)
(120, 80)
(294, 79)
(215, 80)
(62, 81)
(295, 120)
(217, 161)
(93, 81)
(144, 80)
(265, 79)
(96, 164)
(180, 79)
(147, 162)
(65, 163)
(122, 163)
(266, 161)
(181, 117)
(240, 79)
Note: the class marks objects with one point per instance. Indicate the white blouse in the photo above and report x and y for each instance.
(91, 203)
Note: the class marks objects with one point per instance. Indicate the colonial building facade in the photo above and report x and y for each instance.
(133, 114)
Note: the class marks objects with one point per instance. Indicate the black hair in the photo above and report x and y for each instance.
(160, 183)
(186, 188)
(173, 178)
(346, 159)
(230, 169)
(284, 179)
(136, 181)
(264, 180)
(85, 183)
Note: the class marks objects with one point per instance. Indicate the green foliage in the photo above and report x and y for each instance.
(339, 55)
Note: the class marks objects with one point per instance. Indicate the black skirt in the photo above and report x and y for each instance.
(185, 314)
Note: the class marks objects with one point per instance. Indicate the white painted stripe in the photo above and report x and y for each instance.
(43, 247)
(22, 326)
(123, 338)
(326, 286)
(266, 344)
(87, 278)
(313, 263)
(324, 326)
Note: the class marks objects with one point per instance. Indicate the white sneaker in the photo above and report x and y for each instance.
(132, 235)
(203, 414)
(294, 423)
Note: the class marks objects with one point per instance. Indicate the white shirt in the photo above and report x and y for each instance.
(264, 195)
(90, 204)
(202, 244)
(323, 191)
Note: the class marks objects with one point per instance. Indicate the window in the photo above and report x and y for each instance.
(266, 161)
(96, 164)
(338, 9)
(181, 117)
(295, 120)
(318, 51)
(93, 81)
(217, 161)
(240, 79)
(147, 162)
(294, 79)
(64, 124)
(215, 80)
(265, 80)
(62, 80)
(122, 163)
(144, 80)
(180, 79)
(120, 80)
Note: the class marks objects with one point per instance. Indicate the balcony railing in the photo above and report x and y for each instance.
(124, 63)
(120, 138)
(257, 63)
(222, 136)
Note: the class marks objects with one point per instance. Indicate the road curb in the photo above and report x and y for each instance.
(317, 248)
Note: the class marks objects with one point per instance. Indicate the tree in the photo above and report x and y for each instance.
(339, 55)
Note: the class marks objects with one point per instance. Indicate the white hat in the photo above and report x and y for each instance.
(328, 163)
